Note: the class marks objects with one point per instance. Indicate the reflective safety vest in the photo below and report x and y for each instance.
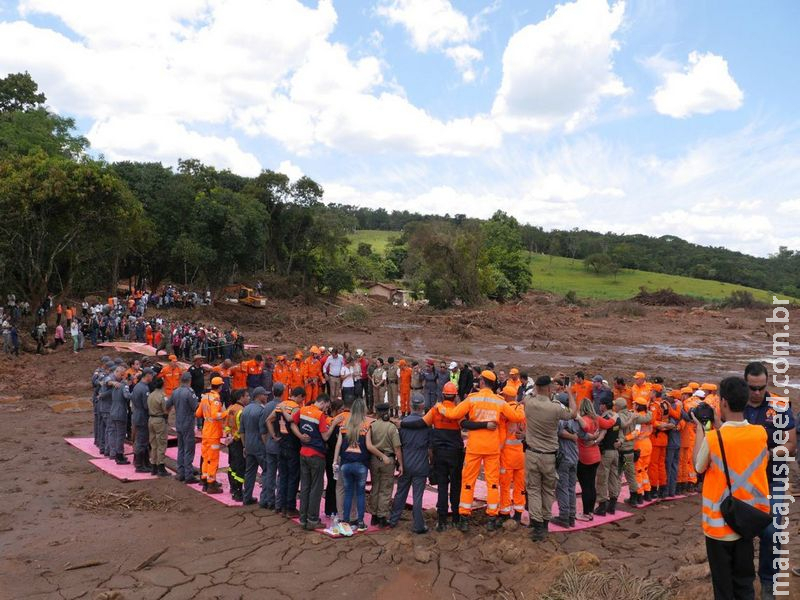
(213, 413)
(484, 406)
(310, 417)
(234, 420)
(747, 455)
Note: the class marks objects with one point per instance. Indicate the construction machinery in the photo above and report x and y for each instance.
(240, 294)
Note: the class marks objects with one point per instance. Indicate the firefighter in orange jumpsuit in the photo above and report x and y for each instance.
(171, 374)
(512, 460)
(280, 374)
(513, 381)
(483, 445)
(214, 416)
(687, 478)
(644, 447)
(148, 335)
(581, 388)
(405, 388)
(640, 388)
(295, 374)
(657, 472)
(623, 391)
(239, 376)
(312, 375)
(711, 398)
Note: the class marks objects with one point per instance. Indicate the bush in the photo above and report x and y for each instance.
(663, 297)
(354, 314)
(571, 298)
(627, 308)
(741, 299)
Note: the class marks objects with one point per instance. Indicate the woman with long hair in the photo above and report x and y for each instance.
(588, 456)
(353, 449)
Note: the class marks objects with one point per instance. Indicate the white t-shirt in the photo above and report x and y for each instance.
(347, 377)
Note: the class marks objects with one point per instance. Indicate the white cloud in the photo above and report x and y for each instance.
(556, 72)
(437, 25)
(703, 86)
(146, 138)
(291, 170)
(432, 24)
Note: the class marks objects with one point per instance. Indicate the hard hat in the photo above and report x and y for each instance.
(359, 352)
(709, 387)
(700, 394)
(453, 365)
(449, 389)
(514, 371)
(489, 375)
(216, 381)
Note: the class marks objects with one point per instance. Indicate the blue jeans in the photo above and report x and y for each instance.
(269, 478)
(288, 478)
(355, 480)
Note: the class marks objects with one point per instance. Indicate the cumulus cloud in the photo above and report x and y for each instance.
(702, 86)
(556, 72)
(291, 170)
(437, 25)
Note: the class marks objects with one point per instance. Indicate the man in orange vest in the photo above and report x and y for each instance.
(312, 375)
(214, 415)
(743, 447)
(512, 459)
(236, 462)
(296, 378)
(280, 374)
(687, 478)
(171, 374)
(483, 445)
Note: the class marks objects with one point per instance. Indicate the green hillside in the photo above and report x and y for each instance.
(560, 275)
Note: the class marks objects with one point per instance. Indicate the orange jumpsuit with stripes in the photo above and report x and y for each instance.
(280, 374)
(295, 375)
(686, 472)
(239, 376)
(214, 416)
(312, 376)
(483, 445)
(512, 466)
(405, 388)
(643, 444)
(657, 471)
(171, 374)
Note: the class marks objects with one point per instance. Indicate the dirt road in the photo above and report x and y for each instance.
(53, 546)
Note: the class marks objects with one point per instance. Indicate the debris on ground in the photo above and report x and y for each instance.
(97, 501)
(664, 297)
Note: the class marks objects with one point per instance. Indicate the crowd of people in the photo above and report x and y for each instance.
(316, 425)
(121, 320)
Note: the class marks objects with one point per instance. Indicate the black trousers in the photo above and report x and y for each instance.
(587, 477)
(447, 465)
(330, 486)
(732, 569)
(236, 465)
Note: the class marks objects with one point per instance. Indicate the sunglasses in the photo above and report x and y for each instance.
(757, 388)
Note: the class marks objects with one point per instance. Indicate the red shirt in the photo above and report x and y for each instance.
(306, 450)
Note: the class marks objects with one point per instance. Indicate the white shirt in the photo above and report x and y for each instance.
(333, 366)
(347, 377)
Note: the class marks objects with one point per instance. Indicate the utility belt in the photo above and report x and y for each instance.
(417, 388)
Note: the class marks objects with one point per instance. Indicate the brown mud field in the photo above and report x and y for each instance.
(59, 539)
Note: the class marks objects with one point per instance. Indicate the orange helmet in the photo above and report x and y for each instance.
(449, 389)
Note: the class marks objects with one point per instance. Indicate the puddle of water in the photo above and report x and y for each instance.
(401, 326)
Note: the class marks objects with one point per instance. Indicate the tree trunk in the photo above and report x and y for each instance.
(114, 273)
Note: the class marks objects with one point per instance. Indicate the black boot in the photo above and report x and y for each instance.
(647, 496)
(539, 531)
(138, 461)
(632, 500)
(463, 524)
(153, 469)
(492, 524)
(600, 511)
(517, 517)
(121, 460)
(441, 524)
(161, 470)
(146, 459)
(612, 506)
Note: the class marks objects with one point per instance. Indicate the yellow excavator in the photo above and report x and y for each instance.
(239, 294)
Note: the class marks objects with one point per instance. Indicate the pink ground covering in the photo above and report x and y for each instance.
(172, 452)
(87, 445)
(121, 472)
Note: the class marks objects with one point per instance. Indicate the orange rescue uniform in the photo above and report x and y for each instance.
(214, 416)
(295, 374)
(512, 465)
(405, 389)
(581, 390)
(643, 444)
(686, 473)
(239, 376)
(312, 376)
(483, 445)
(171, 374)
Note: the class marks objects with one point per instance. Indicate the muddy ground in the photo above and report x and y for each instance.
(213, 551)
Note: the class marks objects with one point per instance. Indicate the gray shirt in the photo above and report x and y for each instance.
(139, 395)
(119, 402)
(252, 425)
(568, 448)
(185, 403)
(415, 443)
(273, 447)
(104, 394)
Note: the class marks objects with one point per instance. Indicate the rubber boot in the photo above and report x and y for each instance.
(492, 524)
(146, 460)
(441, 524)
(463, 524)
(539, 531)
(632, 500)
(121, 460)
(161, 470)
(517, 517)
(600, 511)
(213, 488)
(612, 506)
(138, 461)
(153, 469)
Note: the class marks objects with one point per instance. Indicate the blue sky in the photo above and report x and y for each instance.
(648, 117)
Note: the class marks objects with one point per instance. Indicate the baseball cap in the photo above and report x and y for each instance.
(543, 380)
(639, 375)
(487, 374)
(216, 381)
(597, 378)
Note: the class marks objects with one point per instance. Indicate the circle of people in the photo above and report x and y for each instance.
(302, 419)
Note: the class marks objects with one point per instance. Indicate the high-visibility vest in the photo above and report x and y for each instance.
(747, 455)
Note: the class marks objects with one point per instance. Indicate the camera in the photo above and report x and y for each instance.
(704, 413)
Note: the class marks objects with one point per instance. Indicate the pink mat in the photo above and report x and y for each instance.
(225, 496)
(172, 452)
(136, 347)
(87, 445)
(121, 472)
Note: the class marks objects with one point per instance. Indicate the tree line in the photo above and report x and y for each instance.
(74, 225)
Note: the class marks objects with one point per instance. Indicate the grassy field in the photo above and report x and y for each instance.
(376, 238)
(560, 275)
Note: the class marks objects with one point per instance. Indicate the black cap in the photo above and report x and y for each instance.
(383, 407)
(543, 380)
